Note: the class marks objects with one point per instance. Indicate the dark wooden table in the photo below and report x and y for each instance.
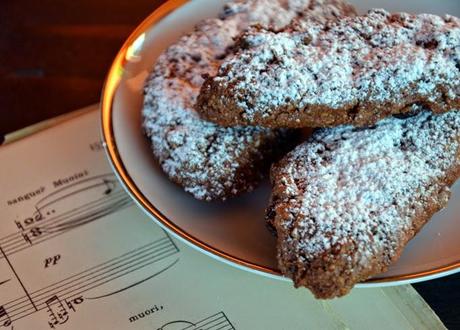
(53, 59)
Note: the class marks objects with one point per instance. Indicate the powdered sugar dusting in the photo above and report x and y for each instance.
(351, 198)
(362, 67)
(209, 161)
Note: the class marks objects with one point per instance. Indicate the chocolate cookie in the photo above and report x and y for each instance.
(346, 202)
(354, 70)
(208, 161)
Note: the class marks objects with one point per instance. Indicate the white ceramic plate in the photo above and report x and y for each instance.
(234, 231)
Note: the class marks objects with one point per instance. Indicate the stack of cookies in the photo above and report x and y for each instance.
(226, 101)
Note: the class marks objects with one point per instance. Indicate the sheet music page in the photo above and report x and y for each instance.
(76, 253)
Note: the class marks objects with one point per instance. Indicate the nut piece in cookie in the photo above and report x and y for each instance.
(346, 202)
(208, 161)
(353, 70)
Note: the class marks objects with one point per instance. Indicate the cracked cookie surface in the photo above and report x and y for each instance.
(354, 70)
(209, 161)
(346, 202)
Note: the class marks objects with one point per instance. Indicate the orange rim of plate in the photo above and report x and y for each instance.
(108, 93)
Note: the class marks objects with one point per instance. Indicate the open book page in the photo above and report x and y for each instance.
(77, 253)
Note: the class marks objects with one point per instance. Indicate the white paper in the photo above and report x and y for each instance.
(76, 253)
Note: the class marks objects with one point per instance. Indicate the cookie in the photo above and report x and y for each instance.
(346, 202)
(209, 161)
(354, 70)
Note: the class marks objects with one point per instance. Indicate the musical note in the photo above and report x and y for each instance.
(4, 317)
(110, 185)
(57, 312)
(37, 216)
(75, 301)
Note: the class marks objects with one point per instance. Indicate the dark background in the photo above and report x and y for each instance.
(54, 56)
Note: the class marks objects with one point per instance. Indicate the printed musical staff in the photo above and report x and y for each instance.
(92, 199)
(70, 289)
(218, 321)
